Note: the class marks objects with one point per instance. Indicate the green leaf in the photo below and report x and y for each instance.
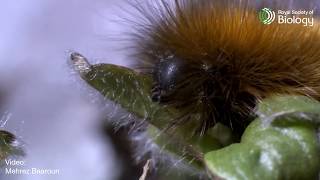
(281, 144)
(132, 91)
(8, 146)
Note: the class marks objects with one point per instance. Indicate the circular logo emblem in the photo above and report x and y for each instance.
(267, 16)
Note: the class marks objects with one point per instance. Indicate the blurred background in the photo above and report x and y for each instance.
(42, 101)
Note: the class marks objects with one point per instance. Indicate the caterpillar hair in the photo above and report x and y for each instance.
(215, 59)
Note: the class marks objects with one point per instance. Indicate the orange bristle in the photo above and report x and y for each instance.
(223, 59)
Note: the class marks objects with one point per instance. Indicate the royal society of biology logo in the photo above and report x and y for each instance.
(304, 17)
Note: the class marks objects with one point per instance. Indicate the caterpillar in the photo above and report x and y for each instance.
(217, 60)
(214, 60)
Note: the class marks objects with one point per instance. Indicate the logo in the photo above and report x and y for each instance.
(303, 17)
(267, 16)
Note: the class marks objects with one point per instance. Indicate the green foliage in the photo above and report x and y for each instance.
(269, 152)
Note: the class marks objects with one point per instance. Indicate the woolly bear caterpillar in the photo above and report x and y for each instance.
(216, 59)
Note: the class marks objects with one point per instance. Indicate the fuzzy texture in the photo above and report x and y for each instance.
(216, 59)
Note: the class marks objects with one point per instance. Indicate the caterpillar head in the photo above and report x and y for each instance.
(199, 88)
